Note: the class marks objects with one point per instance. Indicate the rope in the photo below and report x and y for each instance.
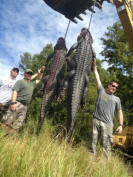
(91, 18)
(88, 26)
(67, 29)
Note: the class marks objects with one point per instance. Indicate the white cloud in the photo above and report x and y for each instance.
(5, 71)
(29, 25)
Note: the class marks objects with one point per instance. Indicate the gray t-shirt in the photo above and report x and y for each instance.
(105, 106)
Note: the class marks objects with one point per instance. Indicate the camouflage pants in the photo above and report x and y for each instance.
(15, 119)
(3, 109)
(105, 131)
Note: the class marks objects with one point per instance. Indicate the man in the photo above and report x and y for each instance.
(6, 85)
(21, 97)
(103, 115)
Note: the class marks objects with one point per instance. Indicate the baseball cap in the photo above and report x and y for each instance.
(28, 71)
(15, 69)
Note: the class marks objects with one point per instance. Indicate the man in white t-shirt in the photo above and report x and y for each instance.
(6, 86)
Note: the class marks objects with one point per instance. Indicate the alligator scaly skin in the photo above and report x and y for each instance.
(78, 80)
(52, 82)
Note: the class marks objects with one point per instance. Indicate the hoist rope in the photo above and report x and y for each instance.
(70, 22)
(67, 29)
(91, 17)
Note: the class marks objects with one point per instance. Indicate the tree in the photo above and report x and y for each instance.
(26, 61)
(37, 60)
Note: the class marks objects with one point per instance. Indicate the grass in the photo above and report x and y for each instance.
(27, 155)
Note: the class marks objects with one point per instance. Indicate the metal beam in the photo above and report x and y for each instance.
(125, 13)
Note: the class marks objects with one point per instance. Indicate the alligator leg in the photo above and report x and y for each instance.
(85, 91)
(42, 86)
(68, 78)
(66, 81)
(44, 81)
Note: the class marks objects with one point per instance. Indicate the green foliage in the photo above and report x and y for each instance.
(26, 61)
(116, 50)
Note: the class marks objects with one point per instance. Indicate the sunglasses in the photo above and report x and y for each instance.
(29, 73)
(16, 71)
(114, 86)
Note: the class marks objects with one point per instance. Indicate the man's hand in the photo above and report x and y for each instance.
(119, 129)
(13, 107)
(39, 74)
(41, 70)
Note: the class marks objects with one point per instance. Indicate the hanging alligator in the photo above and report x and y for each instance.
(77, 80)
(52, 82)
(73, 8)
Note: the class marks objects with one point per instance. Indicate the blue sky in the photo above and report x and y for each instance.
(27, 26)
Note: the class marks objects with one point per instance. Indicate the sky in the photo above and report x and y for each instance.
(27, 26)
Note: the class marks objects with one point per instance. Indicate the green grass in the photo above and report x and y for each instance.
(26, 155)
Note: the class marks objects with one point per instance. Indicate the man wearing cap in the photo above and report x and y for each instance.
(6, 85)
(21, 97)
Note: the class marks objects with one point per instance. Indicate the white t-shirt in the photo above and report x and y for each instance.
(6, 86)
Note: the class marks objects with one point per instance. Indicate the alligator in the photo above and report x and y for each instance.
(54, 75)
(77, 80)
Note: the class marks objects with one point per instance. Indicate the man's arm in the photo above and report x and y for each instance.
(120, 117)
(13, 100)
(96, 74)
